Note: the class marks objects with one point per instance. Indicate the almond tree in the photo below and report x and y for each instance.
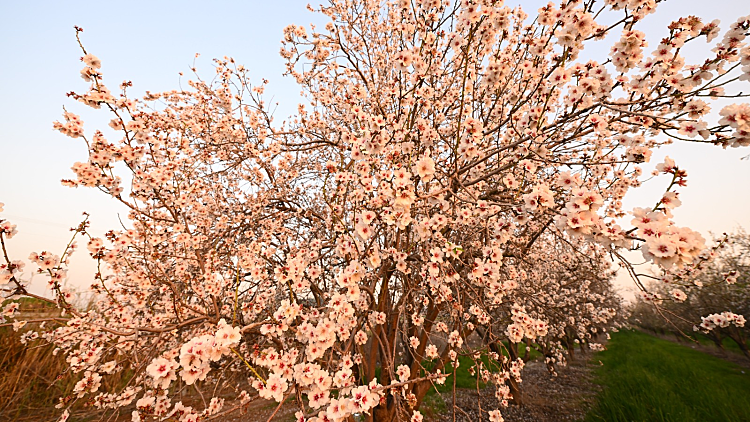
(713, 298)
(344, 256)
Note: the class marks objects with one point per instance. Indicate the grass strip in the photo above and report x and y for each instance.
(644, 378)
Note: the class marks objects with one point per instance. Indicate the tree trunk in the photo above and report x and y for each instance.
(716, 338)
(736, 336)
(527, 352)
(515, 389)
(743, 347)
(571, 347)
(385, 412)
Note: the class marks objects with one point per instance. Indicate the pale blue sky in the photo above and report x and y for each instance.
(150, 42)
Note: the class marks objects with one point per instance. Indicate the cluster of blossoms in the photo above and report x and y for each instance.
(723, 319)
(455, 178)
(9, 311)
(731, 276)
(90, 382)
(161, 407)
(45, 260)
(10, 270)
(7, 229)
(72, 127)
(737, 116)
(667, 244)
(628, 52)
(524, 326)
(195, 358)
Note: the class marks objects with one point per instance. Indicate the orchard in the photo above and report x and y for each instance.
(450, 187)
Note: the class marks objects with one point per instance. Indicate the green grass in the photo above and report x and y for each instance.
(464, 379)
(647, 379)
(434, 404)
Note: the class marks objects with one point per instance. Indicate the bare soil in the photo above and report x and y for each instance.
(544, 398)
(565, 397)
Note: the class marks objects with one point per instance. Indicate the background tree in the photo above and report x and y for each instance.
(717, 295)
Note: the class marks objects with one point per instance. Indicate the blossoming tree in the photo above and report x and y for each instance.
(455, 171)
(712, 298)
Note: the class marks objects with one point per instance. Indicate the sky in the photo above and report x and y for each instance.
(150, 43)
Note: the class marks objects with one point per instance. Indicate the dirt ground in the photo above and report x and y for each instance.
(545, 398)
(566, 397)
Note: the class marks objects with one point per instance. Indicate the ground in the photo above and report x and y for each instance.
(566, 397)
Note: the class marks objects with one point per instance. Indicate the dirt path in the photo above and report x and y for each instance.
(566, 397)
